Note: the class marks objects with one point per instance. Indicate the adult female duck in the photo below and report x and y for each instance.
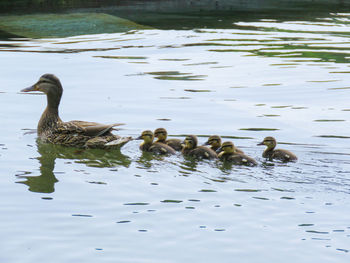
(73, 133)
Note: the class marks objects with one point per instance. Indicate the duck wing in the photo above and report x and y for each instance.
(86, 128)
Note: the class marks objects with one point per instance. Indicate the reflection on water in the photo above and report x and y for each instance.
(45, 182)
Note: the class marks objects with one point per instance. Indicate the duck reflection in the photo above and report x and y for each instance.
(48, 153)
(188, 166)
(148, 160)
(225, 167)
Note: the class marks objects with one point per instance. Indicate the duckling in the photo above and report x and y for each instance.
(229, 153)
(215, 142)
(155, 147)
(162, 134)
(279, 154)
(190, 148)
(81, 134)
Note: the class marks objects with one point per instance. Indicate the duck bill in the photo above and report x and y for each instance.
(261, 143)
(219, 150)
(206, 143)
(138, 138)
(31, 88)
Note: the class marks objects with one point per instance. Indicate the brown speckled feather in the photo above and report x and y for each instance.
(73, 133)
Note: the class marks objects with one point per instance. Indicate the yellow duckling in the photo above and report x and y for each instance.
(229, 153)
(161, 135)
(190, 148)
(155, 147)
(278, 154)
(215, 143)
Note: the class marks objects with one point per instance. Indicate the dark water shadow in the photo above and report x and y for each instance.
(149, 160)
(220, 19)
(48, 153)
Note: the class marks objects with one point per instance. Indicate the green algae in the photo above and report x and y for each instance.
(64, 25)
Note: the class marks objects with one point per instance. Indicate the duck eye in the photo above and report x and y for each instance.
(44, 81)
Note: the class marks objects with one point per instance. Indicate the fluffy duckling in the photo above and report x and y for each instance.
(161, 135)
(279, 154)
(155, 147)
(190, 148)
(73, 133)
(229, 153)
(215, 143)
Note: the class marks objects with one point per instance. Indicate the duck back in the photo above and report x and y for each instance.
(176, 144)
(283, 155)
(161, 148)
(203, 152)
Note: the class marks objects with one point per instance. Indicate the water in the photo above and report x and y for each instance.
(264, 77)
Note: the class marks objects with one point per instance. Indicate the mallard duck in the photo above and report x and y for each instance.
(161, 135)
(215, 143)
(73, 133)
(190, 148)
(229, 153)
(155, 147)
(279, 154)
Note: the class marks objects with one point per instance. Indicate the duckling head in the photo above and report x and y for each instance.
(161, 134)
(190, 142)
(214, 141)
(228, 147)
(269, 141)
(147, 136)
(51, 86)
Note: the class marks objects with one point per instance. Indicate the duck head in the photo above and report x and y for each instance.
(51, 86)
(147, 136)
(190, 142)
(269, 141)
(228, 148)
(214, 141)
(161, 134)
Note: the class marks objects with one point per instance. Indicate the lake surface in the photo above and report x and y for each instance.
(265, 77)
